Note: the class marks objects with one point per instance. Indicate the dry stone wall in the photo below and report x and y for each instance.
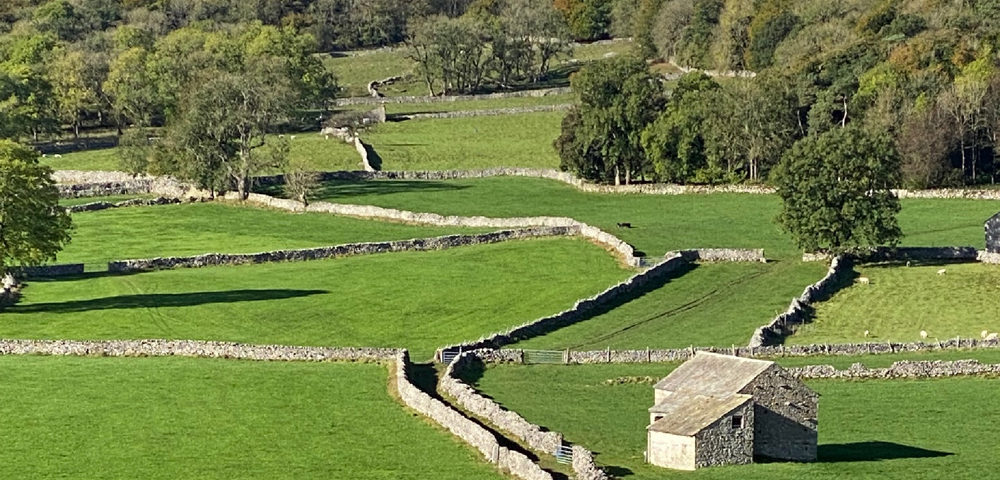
(516, 463)
(903, 369)
(343, 102)
(350, 249)
(47, 271)
(135, 202)
(785, 323)
(491, 112)
(192, 348)
(776, 351)
(532, 435)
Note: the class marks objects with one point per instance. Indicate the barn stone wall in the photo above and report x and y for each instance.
(671, 451)
(785, 416)
(721, 444)
(993, 234)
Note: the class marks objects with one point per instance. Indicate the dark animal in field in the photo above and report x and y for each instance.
(624, 225)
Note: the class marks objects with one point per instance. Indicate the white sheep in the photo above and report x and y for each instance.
(57, 156)
(291, 137)
(984, 333)
(923, 335)
(942, 271)
(866, 333)
(864, 280)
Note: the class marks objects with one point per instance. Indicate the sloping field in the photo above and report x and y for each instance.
(196, 228)
(904, 429)
(900, 302)
(167, 418)
(417, 300)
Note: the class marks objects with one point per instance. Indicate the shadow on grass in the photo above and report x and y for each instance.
(333, 190)
(155, 300)
(873, 452)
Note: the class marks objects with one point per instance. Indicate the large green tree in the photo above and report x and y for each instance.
(601, 141)
(33, 227)
(836, 191)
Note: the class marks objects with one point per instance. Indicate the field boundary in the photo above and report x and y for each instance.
(511, 422)
(134, 202)
(194, 349)
(901, 369)
(507, 460)
(607, 356)
(486, 112)
(344, 250)
(585, 308)
(371, 100)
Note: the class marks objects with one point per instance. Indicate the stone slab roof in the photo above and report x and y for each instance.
(712, 374)
(687, 414)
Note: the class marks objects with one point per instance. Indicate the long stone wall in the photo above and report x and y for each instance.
(192, 348)
(490, 112)
(903, 369)
(135, 202)
(776, 351)
(343, 102)
(532, 435)
(319, 253)
(47, 271)
(514, 462)
(798, 311)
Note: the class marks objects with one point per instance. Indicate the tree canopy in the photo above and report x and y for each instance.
(33, 227)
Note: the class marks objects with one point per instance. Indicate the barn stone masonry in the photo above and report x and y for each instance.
(993, 234)
(724, 410)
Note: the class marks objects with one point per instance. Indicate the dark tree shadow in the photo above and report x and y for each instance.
(617, 472)
(332, 190)
(913, 263)
(873, 452)
(162, 300)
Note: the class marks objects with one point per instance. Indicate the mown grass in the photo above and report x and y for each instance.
(523, 140)
(901, 429)
(661, 222)
(417, 300)
(901, 301)
(166, 418)
(196, 228)
(711, 304)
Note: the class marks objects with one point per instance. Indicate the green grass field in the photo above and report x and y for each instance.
(902, 429)
(523, 140)
(417, 300)
(901, 301)
(712, 304)
(196, 228)
(166, 418)
(661, 222)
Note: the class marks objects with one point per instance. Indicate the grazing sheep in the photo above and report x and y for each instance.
(291, 137)
(866, 333)
(57, 156)
(942, 271)
(45, 155)
(908, 263)
(991, 337)
(984, 333)
(864, 280)
(923, 335)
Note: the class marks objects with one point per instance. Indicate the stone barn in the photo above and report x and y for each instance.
(723, 410)
(993, 234)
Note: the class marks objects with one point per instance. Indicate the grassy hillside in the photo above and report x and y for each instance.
(166, 418)
(417, 300)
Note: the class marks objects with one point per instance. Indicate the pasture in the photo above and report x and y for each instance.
(416, 300)
(957, 303)
(661, 222)
(196, 228)
(901, 429)
(166, 418)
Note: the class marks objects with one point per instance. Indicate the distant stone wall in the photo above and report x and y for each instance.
(725, 255)
(45, 271)
(777, 351)
(903, 369)
(532, 435)
(343, 102)
(319, 253)
(514, 462)
(798, 312)
(989, 257)
(968, 254)
(491, 112)
(78, 184)
(135, 202)
(192, 348)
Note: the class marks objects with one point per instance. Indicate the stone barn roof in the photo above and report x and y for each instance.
(688, 414)
(713, 374)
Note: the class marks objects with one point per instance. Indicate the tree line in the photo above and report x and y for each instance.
(924, 73)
